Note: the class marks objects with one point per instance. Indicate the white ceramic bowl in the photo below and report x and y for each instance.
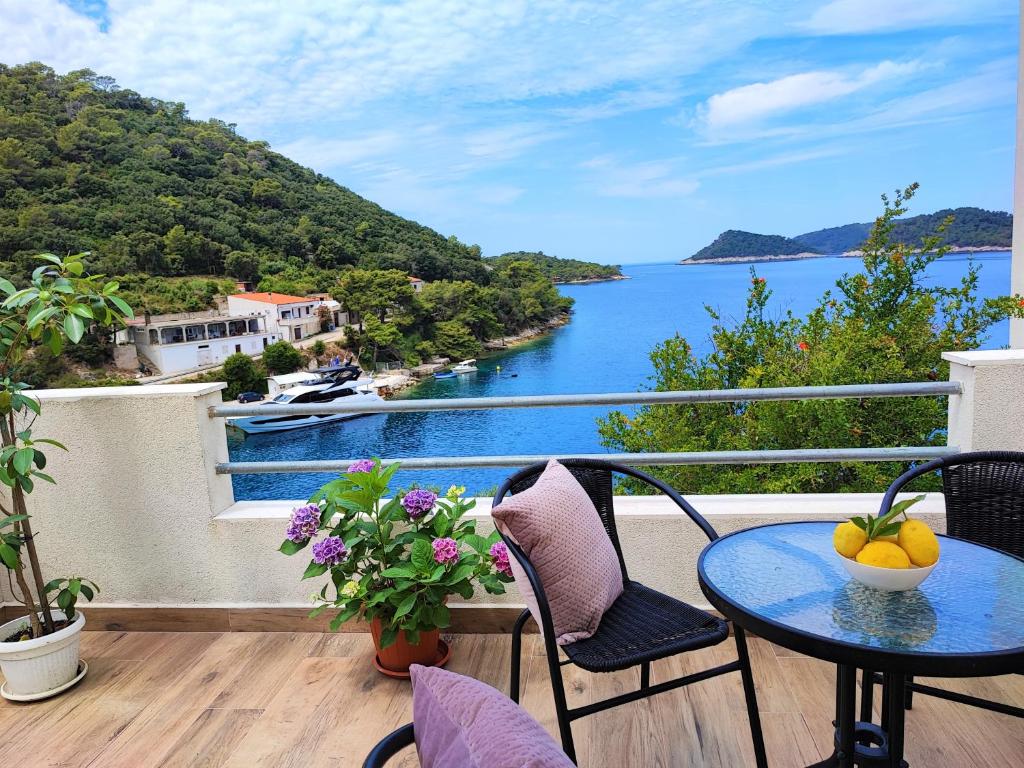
(886, 579)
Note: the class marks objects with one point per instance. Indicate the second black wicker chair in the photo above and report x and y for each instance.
(984, 495)
(642, 626)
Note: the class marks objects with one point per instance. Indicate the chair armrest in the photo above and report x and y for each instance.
(389, 746)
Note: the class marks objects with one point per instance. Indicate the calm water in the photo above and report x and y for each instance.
(604, 349)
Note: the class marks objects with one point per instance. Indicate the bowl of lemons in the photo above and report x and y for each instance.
(885, 553)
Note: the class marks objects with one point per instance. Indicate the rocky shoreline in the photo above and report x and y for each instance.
(589, 280)
(752, 259)
(391, 383)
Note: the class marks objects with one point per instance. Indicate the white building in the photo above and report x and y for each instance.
(289, 317)
(417, 283)
(182, 342)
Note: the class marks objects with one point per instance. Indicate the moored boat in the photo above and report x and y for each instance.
(331, 385)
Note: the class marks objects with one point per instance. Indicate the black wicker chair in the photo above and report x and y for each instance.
(984, 493)
(390, 746)
(640, 627)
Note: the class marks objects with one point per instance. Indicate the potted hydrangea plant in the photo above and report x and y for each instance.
(394, 562)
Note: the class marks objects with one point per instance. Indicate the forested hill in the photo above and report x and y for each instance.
(85, 165)
(736, 244)
(560, 270)
(971, 228)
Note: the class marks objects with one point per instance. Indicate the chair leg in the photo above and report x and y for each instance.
(908, 696)
(561, 707)
(760, 757)
(645, 675)
(517, 654)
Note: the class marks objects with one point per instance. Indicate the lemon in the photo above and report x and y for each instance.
(920, 544)
(883, 554)
(848, 539)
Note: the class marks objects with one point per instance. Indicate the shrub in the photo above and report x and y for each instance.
(282, 357)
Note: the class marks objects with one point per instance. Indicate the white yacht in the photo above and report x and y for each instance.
(466, 366)
(330, 385)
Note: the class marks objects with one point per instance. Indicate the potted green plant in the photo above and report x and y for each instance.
(39, 651)
(394, 562)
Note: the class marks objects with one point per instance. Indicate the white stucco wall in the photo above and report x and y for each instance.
(989, 415)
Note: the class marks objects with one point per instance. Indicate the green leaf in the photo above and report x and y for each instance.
(74, 327)
(422, 555)
(23, 460)
(902, 506)
(4, 522)
(405, 606)
(82, 310)
(440, 616)
(9, 555)
(121, 305)
(26, 483)
(478, 543)
(860, 522)
(48, 441)
(290, 547)
(39, 458)
(399, 571)
(888, 530)
(7, 286)
(388, 637)
(87, 591)
(44, 476)
(315, 569)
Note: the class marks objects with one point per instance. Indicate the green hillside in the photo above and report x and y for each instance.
(971, 228)
(836, 239)
(85, 165)
(559, 270)
(735, 243)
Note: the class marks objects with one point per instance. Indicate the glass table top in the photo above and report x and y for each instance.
(789, 574)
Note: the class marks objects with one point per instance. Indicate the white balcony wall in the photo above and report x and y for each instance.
(139, 508)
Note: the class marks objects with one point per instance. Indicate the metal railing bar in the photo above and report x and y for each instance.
(911, 389)
(800, 455)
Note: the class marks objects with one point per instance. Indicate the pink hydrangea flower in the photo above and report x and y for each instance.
(499, 556)
(446, 551)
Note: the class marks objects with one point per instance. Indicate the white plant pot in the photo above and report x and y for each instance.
(43, 665)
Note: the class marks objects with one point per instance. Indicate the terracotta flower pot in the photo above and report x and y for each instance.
(396, 659)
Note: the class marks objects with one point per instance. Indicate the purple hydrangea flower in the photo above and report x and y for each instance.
(499, 554)
(363, 465)
(418, 502)
(446, 551)
(329, 551)
(304, 523)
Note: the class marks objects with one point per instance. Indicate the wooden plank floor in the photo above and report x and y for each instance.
(250, 700)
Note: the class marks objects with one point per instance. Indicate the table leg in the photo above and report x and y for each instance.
(895, 696)
(846, 708)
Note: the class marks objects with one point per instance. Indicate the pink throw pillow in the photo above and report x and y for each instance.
(462, 723)
(557, 526)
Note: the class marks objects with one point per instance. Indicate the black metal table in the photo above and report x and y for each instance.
(786, 584)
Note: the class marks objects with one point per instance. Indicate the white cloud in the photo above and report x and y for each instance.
(755, 102)
(316, 152)
(651, 179)
(507, 141)
(859, 16)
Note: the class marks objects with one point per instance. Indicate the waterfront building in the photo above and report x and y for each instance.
(188, 340)
(289, 317)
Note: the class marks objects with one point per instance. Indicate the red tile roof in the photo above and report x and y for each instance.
(272, 298)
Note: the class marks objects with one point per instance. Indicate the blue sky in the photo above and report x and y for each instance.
(614, 131)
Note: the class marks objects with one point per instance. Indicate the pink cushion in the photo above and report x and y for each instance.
(463, 723)
(557, 526)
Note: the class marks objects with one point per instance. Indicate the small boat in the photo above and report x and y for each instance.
(466, 366)
(330, 386)
(445, 375)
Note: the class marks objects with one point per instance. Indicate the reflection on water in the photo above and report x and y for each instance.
(899, 619)
(605, 348)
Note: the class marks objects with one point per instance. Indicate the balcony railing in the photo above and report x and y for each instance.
(800, 455)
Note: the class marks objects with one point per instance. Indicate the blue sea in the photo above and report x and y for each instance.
(605, 348)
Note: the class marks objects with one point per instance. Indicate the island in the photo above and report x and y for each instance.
(561, 271)
(736, 247)
(972, 230)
